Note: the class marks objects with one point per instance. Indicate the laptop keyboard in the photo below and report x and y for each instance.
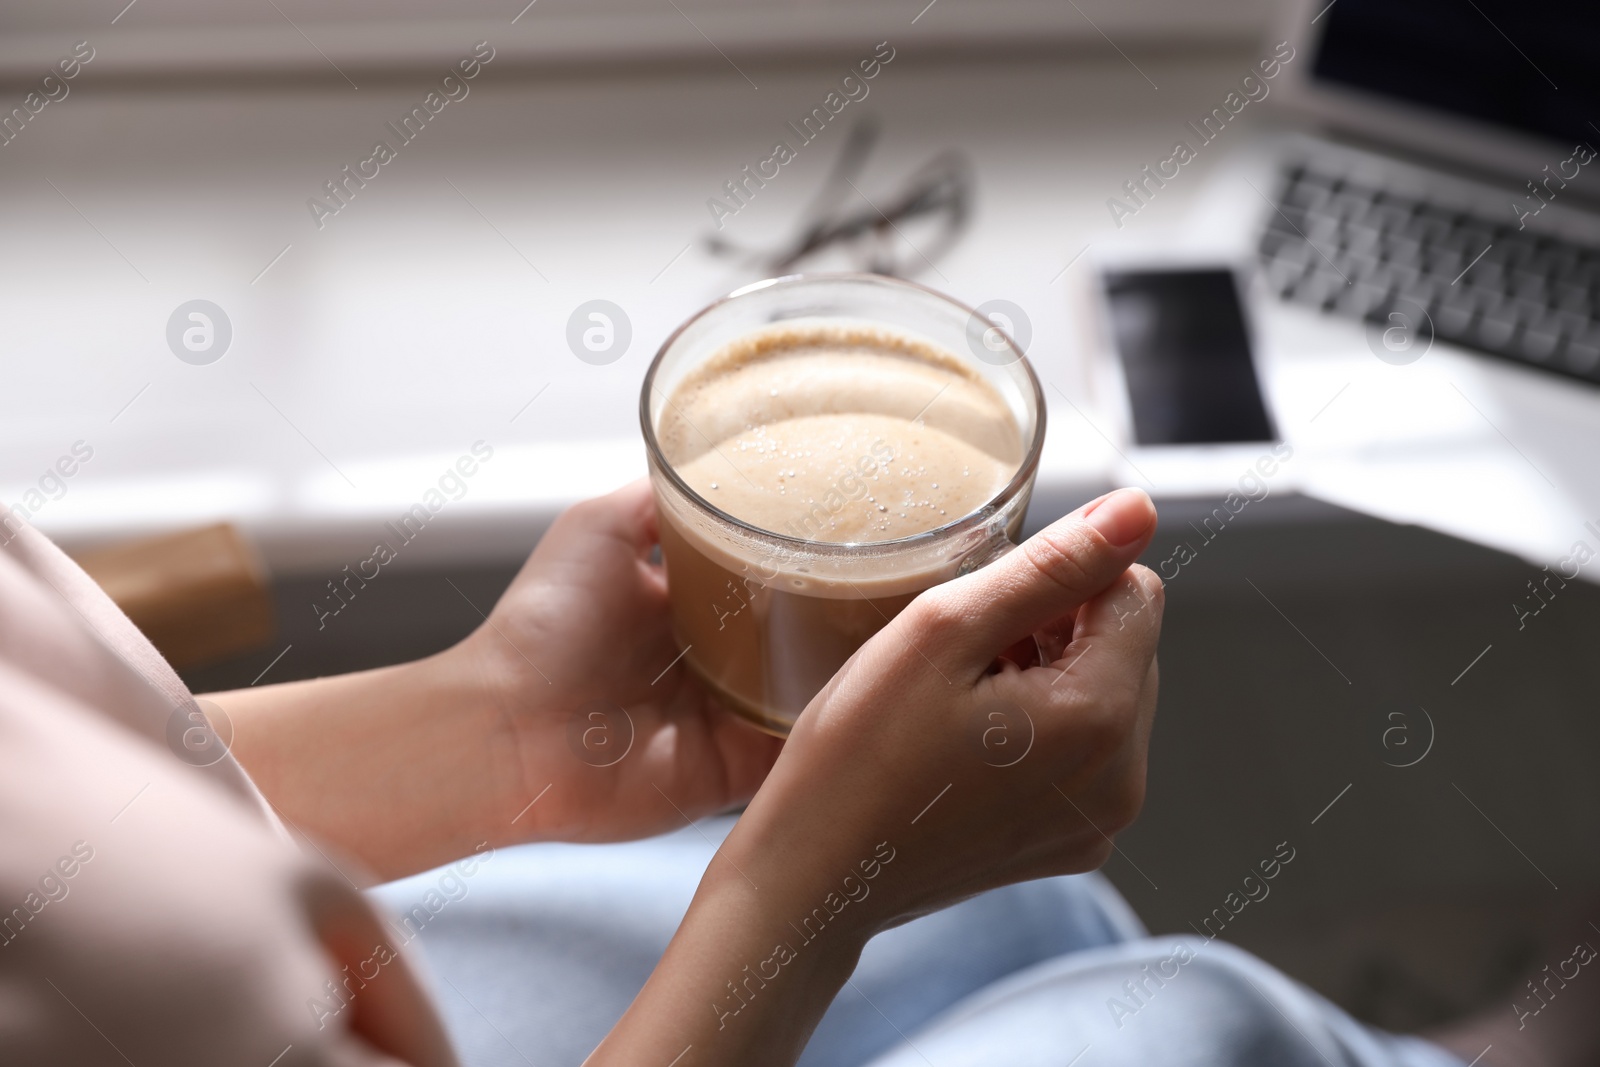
(1363, 252)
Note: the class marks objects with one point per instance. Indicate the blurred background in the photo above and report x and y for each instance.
(242, 341)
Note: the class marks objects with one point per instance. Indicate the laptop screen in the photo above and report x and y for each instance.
(1531, 66)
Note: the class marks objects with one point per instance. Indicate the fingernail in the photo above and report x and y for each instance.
(1121, 517)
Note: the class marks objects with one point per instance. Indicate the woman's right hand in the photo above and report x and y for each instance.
(930, 769)
(974, 777)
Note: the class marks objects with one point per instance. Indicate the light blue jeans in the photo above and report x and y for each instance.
(536, 952)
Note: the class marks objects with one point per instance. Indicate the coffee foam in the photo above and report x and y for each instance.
(840, 432)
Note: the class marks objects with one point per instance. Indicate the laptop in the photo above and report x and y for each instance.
(1458, 179)
(1432, 180)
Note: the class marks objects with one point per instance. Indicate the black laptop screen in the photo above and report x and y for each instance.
(1530, 65)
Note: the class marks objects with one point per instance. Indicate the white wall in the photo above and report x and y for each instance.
(253, 36)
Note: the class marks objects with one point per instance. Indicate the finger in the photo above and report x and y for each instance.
(1096, 701)
(719, 759)
(1119, 787)
(632, 514)
(627, 514)
(1114, 640)
(1045, 645)
(646, 522)
(1048, 576)
(1104, 688)
(747, 754)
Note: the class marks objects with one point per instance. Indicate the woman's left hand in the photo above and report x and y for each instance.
(567, 715)
(616, 738)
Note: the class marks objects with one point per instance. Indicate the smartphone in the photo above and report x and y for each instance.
(1188, 371)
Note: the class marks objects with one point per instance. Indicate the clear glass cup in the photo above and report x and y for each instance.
(767, 618)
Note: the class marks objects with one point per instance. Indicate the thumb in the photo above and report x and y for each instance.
(1048, 576)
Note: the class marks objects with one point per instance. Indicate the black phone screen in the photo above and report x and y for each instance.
(1186, 356)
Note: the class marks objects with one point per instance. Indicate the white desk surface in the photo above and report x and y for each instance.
(427, 314)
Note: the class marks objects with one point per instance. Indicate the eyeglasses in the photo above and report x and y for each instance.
(934, 202)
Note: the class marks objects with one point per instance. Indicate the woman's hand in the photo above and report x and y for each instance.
(605, 714)
(566, 715)
(930, 769)
(978, 777)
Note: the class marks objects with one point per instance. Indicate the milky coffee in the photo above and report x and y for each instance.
(843, 434)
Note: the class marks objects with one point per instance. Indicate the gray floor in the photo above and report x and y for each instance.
(1306, 650)
(1419, 893)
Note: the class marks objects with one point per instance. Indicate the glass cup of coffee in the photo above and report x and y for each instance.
(822, 449)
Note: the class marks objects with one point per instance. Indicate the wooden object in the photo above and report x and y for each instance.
(199, 595)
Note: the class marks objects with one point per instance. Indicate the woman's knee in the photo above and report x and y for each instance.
(1226, 1005)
